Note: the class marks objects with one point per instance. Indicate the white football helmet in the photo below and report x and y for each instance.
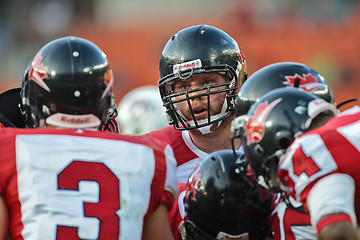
(141, 111)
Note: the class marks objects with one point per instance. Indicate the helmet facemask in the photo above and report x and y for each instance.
(196, 50)
(211, 122)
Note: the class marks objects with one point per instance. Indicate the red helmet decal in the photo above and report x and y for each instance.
(306, 82)
(238, 51)
(194, 181)
(109, 80)
(241, 55)
(109, 77)
(37, 71)
(254, 128)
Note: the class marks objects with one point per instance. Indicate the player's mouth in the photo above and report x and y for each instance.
(200, 112)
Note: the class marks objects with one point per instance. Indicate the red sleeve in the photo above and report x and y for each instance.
(159, 189)
(174, 216)
(330, 219)
(285, 220)
(168, 199)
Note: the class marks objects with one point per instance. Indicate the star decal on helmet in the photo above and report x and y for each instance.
(254, 128)
(306, 82)
(109, 80)
(37, 71)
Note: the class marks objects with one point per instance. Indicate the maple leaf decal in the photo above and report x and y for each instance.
(38, 71)
(306, 82)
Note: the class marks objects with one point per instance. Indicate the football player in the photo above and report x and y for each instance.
(295, 141)
(289, 219)
(201, 69)
(62, 179)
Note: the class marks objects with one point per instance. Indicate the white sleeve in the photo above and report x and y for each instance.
(171, 182)
(332, 194)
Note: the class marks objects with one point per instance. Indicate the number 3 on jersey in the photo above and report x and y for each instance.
(109, 197)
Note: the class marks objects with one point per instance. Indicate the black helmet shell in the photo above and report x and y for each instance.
(279, 75)
(69, 75)
(274, 122)
(218, 199)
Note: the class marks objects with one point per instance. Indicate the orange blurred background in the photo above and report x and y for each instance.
(330, 47)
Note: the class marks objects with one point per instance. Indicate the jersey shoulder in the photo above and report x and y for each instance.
(175, 139)
(168, 134)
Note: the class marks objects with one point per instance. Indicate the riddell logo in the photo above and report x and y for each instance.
(194, 64)
(186, 66)
(75, 120)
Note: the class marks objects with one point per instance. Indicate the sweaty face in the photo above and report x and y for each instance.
(195, 89)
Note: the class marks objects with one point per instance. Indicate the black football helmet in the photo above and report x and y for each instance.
(67, 84)
(195, 50)
(10, 115)
(273, 123)
(278, 75)
(220, 204)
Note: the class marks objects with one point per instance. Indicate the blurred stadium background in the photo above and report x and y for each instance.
(324, 34)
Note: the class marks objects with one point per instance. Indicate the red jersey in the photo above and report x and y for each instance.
(187, 155)
(290, 222)
(177, 212)
(78, 184)
(320, 155)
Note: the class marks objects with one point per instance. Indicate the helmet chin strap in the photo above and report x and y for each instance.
(209, 128)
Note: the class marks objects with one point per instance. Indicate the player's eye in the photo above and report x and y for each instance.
(184, 87)
(207, 82)
(180, 87)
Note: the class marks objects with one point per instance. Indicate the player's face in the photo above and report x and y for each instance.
(199, 104)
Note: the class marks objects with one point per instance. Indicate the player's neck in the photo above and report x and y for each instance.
(217, 140)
